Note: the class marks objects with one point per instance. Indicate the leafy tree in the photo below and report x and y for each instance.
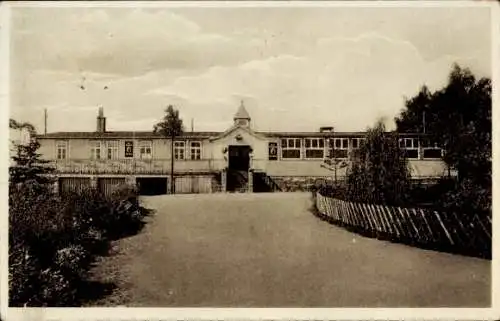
(379, 171)
(28, 165)
(411, 119)
(170, 127)
(458, 118)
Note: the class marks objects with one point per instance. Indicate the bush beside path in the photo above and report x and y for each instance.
(54, 241)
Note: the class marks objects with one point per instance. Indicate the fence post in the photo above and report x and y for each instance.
(420, 212)
(486, 230)
(484, 236)
(373, 215)
(366, 210)
(355, 215)
(382, 214)
(444, 228)
(392, 224)
(347, 213)
(373, 227)
(467, 240)
(335, 210)
(395, 218)
(328, 206)
(405, 223)
(331, 207)
(412, 223)
(383, 227)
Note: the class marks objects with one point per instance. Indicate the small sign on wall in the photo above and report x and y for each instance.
(129, 149)
(273, 151)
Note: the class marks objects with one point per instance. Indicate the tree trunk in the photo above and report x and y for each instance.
(172, 182)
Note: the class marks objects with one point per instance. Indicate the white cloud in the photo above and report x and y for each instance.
(342, 72)
(119, 41)
(367, 77)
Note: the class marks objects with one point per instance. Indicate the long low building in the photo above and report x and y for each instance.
(238, 159)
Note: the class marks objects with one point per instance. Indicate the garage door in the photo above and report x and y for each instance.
(152, 185)
(108, 185)
(73, 184)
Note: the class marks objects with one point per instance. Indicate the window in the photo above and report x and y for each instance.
(315, 147)
(357, 142)
(179, 148)
(290, 148)
(62, 148)
(145, 150)
(195, 150)
(341, 143)
(95, 150)
(431, 149)
(340, 148)
(273, 151)
(410, 145)
(112, 149)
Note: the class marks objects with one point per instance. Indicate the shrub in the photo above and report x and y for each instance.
(379, 172)
(53, 240)
(468, 198)
(330, 189)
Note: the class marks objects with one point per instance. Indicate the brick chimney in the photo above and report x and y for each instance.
(101, 121)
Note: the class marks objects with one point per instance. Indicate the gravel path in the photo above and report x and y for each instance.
(268, 250)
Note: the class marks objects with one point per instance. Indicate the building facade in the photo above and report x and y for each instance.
(238, 159)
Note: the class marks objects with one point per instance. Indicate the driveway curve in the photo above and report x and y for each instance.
(268, 250)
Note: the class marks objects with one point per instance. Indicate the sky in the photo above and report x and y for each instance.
(296, 69)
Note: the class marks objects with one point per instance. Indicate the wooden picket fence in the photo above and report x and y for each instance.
(465, 234)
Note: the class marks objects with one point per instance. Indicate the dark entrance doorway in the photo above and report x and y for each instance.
(239, 158)
(239, 163)
(152, 185)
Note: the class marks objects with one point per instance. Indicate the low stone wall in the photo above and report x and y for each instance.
(426, 228)
(299, 184)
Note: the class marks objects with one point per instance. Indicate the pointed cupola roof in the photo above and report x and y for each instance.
(242, 113)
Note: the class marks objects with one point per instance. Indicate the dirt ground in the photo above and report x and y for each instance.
(268, 250)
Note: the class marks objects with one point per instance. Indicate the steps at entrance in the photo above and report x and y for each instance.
(262, 183)
(237, 180)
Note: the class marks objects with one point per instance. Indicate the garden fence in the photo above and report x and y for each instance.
(444, 231)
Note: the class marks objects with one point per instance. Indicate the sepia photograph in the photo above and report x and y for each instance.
(250, 155)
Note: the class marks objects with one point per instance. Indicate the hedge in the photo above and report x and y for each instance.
(54, 239)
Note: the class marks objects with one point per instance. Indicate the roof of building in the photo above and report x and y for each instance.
(187, 135)
(312, 134)
(242, 113)
(121, 134)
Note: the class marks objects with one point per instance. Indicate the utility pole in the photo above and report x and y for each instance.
(172, 178)
(45, 120)
(333, 159)
(423, 120)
